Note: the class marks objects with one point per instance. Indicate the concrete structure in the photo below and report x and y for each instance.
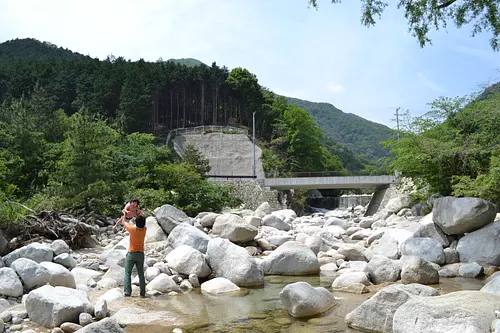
(330, 182)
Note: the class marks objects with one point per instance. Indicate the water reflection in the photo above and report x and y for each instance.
(259, 310)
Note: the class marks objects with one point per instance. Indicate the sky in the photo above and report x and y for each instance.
(322, 55)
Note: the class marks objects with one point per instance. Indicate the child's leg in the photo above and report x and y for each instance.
(118, 222)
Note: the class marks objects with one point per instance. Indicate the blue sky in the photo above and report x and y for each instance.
(321, 55)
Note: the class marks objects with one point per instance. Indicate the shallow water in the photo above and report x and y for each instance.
(259, 310)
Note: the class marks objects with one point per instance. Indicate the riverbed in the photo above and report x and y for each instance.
(259, 310)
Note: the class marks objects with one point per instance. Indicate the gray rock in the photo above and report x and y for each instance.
(457, 216)
(154, 232)
(169, 217)
(31, 273)
(70, 327)
(151, 273)
(352, 252)
(431, 230)
(263, 210)
(163, 283)
(462, 311)
(253, 220)
(59, 247)
(376, 314)
(426, 248)
(481, 246)
(35, 251)
(107, 325)
(114, 257)
(85, 319)
(219, 285)
(186, 260)
(185, 234)
(417, 270)
(59, 275)
(300, 299)
(351, 282)
(396, 204)
(336, 221)
(52, 306)
(234, 263)
(66, 260)
(116, 273)
(208, 220)
(492, 286)
(471, 270)
(381, 269)
(84, 275)
(389, 250)
(451, 256)
(275, 222)
(291, 258)
(10, 285)
(193, 279)
(234, 228)
(101, 309)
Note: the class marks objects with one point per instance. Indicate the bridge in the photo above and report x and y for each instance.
(320, 180)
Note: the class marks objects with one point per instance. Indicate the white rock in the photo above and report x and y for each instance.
(219, 286)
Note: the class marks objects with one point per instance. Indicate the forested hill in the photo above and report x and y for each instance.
(32, 49)
(357, 134)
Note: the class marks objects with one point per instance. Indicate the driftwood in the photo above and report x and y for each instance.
(57, 225)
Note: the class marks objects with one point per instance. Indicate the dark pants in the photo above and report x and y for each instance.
(137, 259)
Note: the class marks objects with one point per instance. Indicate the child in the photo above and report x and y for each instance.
(129, 211)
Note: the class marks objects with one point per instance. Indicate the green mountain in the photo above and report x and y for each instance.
(189, 62)
(355, 133)
(32, 49)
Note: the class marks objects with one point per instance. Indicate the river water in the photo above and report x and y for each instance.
(259, 310)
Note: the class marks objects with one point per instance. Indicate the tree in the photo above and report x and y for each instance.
(194, 157)
(426, 15)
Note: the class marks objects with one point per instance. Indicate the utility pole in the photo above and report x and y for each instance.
(397, 119)
(253, 134)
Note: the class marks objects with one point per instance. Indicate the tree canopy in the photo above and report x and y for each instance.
(426, 15)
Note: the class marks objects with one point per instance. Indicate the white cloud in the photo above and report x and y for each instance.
(335, 88)
(429, 83)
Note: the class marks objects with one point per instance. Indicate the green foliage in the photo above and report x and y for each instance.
(427, 15)
(193, 157)
(454, 147)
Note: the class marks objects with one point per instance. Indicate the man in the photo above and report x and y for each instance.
(135, 255)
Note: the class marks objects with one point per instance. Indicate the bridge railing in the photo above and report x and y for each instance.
(210, 128)
(326, 174)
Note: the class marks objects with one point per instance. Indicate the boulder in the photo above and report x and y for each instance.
(208, 220)
(470, 270)
(114, 257)
(351, 282)
(34, 251)
(263, 210)
(481, 246)
(234, 228)
(219, 285)
(116, 273)
(59, 247)
(163, 283)
(83, 275)
(186, 260)
(426, 248)
(154, 232)
(376, 314)
(169, 217)
(10, 285)
(336, 221)
(431, 230)
(417, 270)
(381, 269)
(291, 258)
(185, 234)
(101, 309)
(66, 260)
(461, 311)
(233, 262)
(396, 204)
(300, 299)
(389, 250)
(352, 252)
(457, 216)
(275, 222)
(107, 325)
(31, 273)
(51, 306)
(492, 286)
(59, 275)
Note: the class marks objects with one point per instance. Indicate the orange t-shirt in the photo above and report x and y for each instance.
(137, 236)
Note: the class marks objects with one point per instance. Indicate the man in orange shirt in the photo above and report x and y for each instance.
(135, 255)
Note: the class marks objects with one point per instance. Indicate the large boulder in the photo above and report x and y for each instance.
(275, 222)
(492, 286)
(461, 311)
(396, 204)
(431, 230)
(208, 220)
(186, 234)
(154, 232)
(417, 270)
(481, 246)
(31, 273)
(234, 228)
(426, 248)
(107, 325)
(59, 247)
(381, 269)
(353, 282)
(300, 299)
(291, 258)
(233, 262)
(51, 306)
(34, 251)
(457, 216)
(10, 285)
(66, 260)
(352, 252)
(114, 256)
(84, 275)
(376, 313)
(169, 217)
(186, 260)
(163, 283)
(59, 275)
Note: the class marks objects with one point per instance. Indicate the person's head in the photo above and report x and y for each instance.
(140, 221)
(135, 202)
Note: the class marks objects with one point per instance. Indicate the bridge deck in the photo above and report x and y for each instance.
(329, 182)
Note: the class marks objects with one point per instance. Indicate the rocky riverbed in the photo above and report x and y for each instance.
(271, 271)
